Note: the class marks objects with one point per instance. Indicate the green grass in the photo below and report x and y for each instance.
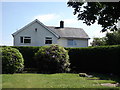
(50, 81)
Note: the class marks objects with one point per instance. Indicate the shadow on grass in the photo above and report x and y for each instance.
(106, 76)
(100, 76)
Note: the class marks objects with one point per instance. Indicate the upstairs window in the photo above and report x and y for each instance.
(48, 40)
(25, 39)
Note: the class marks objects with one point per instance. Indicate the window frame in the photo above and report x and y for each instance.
(71, 42)
(48, 39)
(23, 39)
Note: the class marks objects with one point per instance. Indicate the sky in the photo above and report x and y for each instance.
(16, 15)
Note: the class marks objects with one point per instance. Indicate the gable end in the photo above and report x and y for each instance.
(56, 35)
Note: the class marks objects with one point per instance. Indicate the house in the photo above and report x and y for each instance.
(118, 24)
(38, 34)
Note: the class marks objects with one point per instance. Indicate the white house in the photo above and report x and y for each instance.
(118, 24)
(37, 34)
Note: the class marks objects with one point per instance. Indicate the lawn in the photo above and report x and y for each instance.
(64, 80)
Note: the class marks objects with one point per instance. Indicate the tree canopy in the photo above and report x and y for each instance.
(98, 41)
(106, 14)
(109, 39)
(113, 38)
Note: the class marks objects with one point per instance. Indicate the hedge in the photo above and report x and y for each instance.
(104, 59)
(28, 53)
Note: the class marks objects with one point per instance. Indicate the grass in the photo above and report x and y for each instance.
(51, 81)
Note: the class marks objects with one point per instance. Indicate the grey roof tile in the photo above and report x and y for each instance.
(68, 32)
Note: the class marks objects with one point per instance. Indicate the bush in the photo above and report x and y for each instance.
(52, 59)
(12, 60)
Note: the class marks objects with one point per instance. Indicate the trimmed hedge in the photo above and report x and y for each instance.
(103, 59)
(12, 60)
(28, 53)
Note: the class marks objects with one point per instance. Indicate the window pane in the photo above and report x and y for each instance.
(70, 42)
(27, 40)
(48, 42)
(74, 42)
(48, 38)
(21, 39)
(27, 37)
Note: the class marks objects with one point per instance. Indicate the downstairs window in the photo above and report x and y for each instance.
(25, 39)
(48, 40)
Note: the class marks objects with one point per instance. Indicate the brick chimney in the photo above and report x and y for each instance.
(61, 24)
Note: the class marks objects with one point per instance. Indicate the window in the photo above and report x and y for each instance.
(21, 39)
(48, 40)
(35, 29)
(25, 39)
(71, 42)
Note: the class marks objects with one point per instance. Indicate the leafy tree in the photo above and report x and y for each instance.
(113, 38)
(106, 13)
(110, 39)
(98, 42)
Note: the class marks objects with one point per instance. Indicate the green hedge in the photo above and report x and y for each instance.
(28, 53)
(104, 59)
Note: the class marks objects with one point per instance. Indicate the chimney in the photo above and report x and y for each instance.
(61, 24)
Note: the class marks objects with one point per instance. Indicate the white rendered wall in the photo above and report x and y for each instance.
(79, 42)
(37, 38)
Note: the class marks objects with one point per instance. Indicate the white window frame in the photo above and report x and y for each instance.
(48, 38)
(71, 42)
(23, 39)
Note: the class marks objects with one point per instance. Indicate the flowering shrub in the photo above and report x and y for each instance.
(52, 59)
(12, 60)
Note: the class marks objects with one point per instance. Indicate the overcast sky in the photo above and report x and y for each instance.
(15, 15)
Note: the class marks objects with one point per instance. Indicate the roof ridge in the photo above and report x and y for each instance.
(66, 27)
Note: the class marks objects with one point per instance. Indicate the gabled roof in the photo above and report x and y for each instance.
(68, 32)
(36, 20)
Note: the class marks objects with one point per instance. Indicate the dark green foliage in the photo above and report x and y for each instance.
(101, 59)
(106, 14)
(52, 59)
(99, 41)
(12, 60)
(113, 38)
(110, 39)
(28, 54)
(104, 59)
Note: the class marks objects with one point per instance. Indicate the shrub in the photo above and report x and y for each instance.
(52, 59)
(12, 60)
